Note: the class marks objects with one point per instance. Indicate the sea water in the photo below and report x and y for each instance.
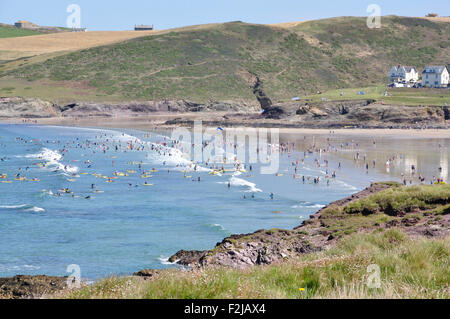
(73, 209)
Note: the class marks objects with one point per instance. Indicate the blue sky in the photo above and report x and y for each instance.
(164, 14)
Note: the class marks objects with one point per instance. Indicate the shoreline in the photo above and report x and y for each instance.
(158, 122)
(192, 258)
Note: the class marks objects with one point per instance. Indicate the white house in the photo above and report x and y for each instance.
(435, 76)
(403, 74)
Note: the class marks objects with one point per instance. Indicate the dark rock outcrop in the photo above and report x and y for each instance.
(273, 112)
(262, 98)
(150, 107)
(26, 107)
(356, 113)
(35, 108)
(186, 257)
(327, 114)
(147, 273)
(23, 286)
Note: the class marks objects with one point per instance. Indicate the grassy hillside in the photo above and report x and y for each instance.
(396, 96)
(222, 61)
(11, 32)
(408, 269)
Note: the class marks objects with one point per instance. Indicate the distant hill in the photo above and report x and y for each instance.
(227, 61)
(10, 31)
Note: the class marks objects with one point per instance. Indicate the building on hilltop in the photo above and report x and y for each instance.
(143, 27)
(79, 30)
(22, 24)
(435, 76)
(407, 74)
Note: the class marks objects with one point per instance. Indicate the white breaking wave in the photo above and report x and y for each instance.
(239, 182)
(18, 268)
(308, 205)
(46, 192)
(34, 209)
(12, 206)
(165, 261)
(217, 226)
(306, 168)
(23, 208)
(53, 159)
(173, 157)
(236, 181)
(347, 186)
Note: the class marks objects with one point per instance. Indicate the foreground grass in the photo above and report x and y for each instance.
(408, 269)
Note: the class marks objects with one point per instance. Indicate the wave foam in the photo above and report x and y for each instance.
(23, 208)
(217, 226)
(165, 261)
(53, 159)
(308, 205)
(236, 181)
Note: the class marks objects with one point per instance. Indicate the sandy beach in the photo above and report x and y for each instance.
(158, 121)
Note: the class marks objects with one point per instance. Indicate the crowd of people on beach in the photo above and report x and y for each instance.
(170, 155)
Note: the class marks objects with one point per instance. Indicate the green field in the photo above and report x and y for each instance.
(221, 61)
(11, 31)
(382, 94)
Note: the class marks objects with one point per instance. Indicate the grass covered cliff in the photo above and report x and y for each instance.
(408, 269)
(228, 61)
(402, 230)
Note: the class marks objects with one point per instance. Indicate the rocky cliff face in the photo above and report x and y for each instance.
(143, 108)
(24, 286)
(26, 107)
(367, 113)
(331, 114)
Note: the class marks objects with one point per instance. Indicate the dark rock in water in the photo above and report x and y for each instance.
(185, 257)
(24, 286)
